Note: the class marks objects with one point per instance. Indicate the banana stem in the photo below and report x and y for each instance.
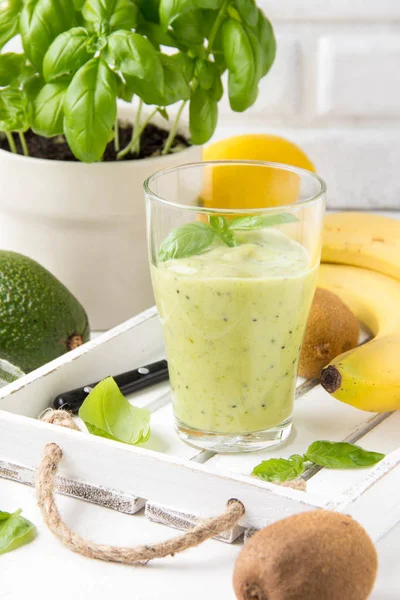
(174, 128)
(23, 143)
(11, 142)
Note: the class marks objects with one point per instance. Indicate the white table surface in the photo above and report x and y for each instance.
(47, 570)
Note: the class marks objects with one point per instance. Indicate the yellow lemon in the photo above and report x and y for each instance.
(252, 186)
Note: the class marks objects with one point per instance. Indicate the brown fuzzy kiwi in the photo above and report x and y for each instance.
(331, 330)
(317, 555)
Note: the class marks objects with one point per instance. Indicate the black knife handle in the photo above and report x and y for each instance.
(128, 382)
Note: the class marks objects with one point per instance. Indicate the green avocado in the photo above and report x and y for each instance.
(39, 318)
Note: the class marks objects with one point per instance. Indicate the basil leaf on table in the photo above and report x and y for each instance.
(117, 14)
(48, 109)
(15, 531)
(341, 455)
(11, 66)
(9, 20)
(90, 109)
(255, 222)
(280, 469)
(203, 116)
(68, 53)
(107, 413)
(41, 21)
(189, 239)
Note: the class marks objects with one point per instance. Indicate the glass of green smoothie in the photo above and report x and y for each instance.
(234, 251)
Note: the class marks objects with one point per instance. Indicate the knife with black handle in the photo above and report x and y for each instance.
(128, 382)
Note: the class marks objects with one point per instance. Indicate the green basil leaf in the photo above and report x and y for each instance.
(203, 116)
(206, 73)
(255, 222)
(178, 71)
(11, 66)
(90, 109)
(123, 90)
(135, 57)
(248, 11)
(150, 10)
(32, 85)
(217, 90)
(9, 20)
(15, 531)
(242, 58)
(187, 29)
(156, 34)
(220, 226)
(280, 469)
(107, 413)
(117, 14)
(267, 42)
(189, 239)
(41, 22)
(48, 109)
(15, 110)
(172, 9)
(69, 51)
(341, 455)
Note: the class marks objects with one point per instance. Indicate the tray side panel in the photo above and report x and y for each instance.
(187, 486)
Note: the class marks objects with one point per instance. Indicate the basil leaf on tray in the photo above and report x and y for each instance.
(341, 455)
(189, 239)
(255, 222)
(280, 469)
(107, 413)
(15, 531)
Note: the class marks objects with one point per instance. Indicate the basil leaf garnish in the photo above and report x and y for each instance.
(195, 238)
(189, 239)
(341, 455)
(107, 413)
(258, 222)
(15, 531)
(280, 469)
(221, 227)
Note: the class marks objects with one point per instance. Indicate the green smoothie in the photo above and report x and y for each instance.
(233, 322)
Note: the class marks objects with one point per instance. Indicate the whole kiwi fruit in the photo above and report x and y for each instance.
(331, 330)
(316, 555)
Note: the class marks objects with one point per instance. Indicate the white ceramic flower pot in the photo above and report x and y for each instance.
(86, 224)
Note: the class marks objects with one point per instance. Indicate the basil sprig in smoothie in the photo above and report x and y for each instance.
(233, 297)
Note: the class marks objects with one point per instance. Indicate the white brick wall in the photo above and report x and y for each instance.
(335, 90)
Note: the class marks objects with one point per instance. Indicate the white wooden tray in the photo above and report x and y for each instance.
(179, 483)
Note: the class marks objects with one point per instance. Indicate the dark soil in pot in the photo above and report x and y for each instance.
(151, 144)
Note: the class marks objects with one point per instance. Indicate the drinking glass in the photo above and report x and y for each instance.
(234, 251)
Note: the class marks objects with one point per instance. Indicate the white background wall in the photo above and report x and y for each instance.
(335, 90)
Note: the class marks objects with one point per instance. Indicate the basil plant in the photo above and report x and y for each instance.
(80, 57)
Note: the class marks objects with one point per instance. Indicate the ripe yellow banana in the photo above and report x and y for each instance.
(363, 240)
(367, 377)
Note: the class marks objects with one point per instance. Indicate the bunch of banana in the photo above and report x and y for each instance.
(367, 278)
